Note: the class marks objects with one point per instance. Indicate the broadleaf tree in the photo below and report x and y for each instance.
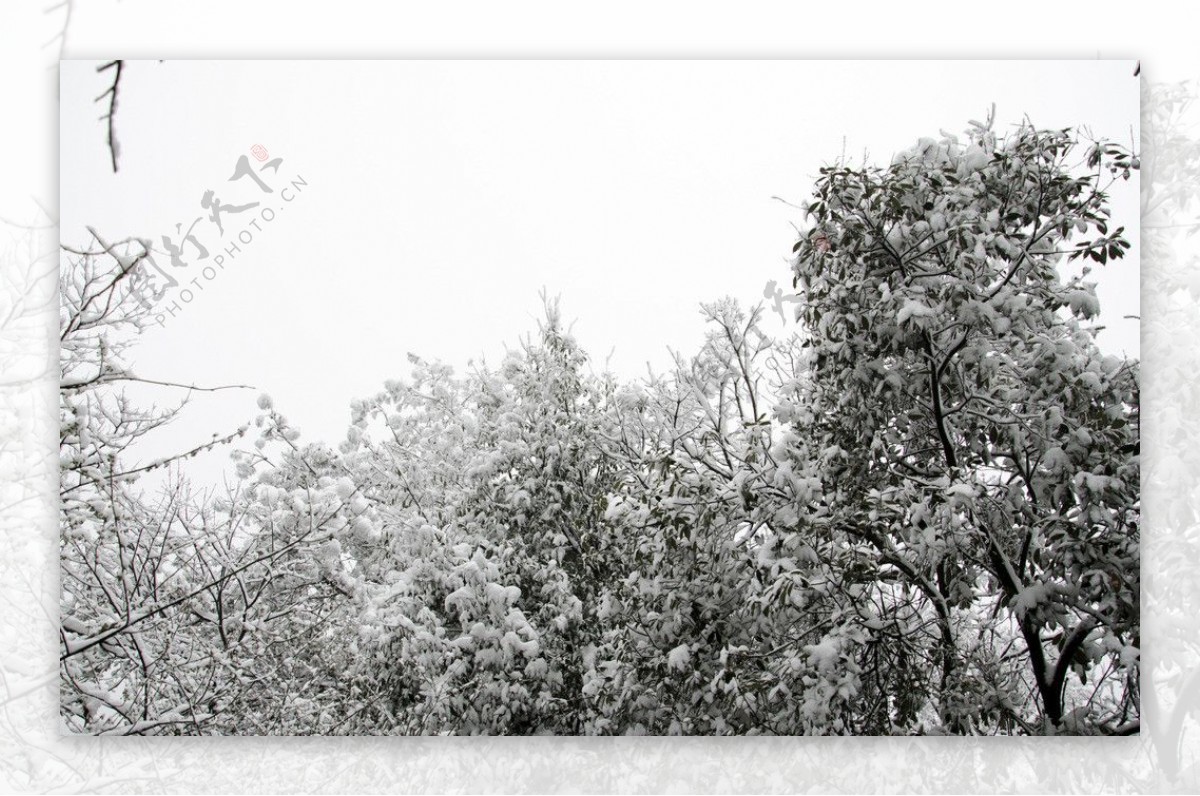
(971, 435)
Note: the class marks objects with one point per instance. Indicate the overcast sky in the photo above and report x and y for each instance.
(441, 197)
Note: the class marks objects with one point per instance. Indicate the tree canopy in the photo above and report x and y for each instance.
(915, 512)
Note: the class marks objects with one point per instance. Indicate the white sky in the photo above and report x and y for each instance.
(442, 196)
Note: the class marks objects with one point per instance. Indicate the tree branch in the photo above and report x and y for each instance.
(113, 146)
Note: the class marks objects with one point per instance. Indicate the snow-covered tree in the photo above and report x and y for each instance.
(972, 442)
(490, 491)
(182, 611)
(703, 633)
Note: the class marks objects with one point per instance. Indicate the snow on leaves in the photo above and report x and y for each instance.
(917, 515)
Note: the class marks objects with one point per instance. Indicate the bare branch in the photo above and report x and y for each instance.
(113, 146)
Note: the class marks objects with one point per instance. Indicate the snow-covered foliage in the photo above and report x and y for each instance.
(181, 612)
(917, 514)
(995, 463)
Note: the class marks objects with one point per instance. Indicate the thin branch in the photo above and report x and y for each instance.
(113, 146)
(105, 378)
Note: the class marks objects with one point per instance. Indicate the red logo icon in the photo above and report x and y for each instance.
(259, 151)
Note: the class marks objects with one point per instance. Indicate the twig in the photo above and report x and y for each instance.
(113, 146)
(104, 378)
(61, 36)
